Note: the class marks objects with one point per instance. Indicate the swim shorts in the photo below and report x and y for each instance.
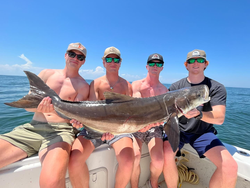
(35, 136)
(97, 141)
(154, 132)
(200, 142)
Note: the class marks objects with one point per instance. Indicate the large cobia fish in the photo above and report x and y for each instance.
(119, 114)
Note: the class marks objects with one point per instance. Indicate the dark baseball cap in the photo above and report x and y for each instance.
(155, 56)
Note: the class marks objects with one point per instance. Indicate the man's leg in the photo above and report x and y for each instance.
(10, 153)
(78, 169)
(170, 170)
(54, 161)
(225, 176)
(157, 160)
(137, 145)
(125, 157)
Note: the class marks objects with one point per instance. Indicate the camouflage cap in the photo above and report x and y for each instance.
(77, 46)
(112, 50)
(196, 53)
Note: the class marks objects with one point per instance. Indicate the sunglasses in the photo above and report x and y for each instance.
(109, 60)
(151, 64)
(199, 60)
(73, 54)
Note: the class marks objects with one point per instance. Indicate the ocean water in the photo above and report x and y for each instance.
(235, 130)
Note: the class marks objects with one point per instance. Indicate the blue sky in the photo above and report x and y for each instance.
(35, 35)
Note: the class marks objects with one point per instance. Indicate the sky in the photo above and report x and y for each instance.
(34, 35)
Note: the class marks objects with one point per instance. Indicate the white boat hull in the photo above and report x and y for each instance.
(102, 166)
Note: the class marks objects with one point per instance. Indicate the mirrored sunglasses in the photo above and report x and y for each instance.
(151, 64)
(199, 60)
(109, 60)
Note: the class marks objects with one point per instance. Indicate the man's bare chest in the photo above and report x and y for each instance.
(64, 88)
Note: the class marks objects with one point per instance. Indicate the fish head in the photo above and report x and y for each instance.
(191, 98)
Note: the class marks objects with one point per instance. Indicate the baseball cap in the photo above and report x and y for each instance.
(77, 46)
(196, 53)
(112, 50)
(155, 56)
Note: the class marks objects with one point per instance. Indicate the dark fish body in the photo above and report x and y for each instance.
(120, 114)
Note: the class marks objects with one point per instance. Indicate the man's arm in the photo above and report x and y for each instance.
(91, 97)
(82, 95)
(216, 116)
(135, 89)
(93, 93)
(130, 90)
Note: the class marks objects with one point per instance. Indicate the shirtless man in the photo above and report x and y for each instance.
(148, 87)
(48, 134)
(84, 145)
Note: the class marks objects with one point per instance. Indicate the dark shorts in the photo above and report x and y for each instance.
(97, 142)
(200, 142)
(154, 132)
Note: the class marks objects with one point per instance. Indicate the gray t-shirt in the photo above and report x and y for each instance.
(218, 95)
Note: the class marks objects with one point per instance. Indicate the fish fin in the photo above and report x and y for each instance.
(38, 90)
(28, 101)
(116, 97)
(38, 87)
(172, 130)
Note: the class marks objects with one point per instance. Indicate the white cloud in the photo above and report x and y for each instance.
(18, 69)
(28, 64)
(92, 74)
(130, 77)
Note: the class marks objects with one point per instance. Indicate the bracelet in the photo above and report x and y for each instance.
(200, 115)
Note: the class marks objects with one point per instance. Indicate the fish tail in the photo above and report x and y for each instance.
(38, 90)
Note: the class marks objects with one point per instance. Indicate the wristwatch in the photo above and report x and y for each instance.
(200, 115)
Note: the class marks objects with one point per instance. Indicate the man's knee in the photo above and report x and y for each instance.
(168, 152)
(48, 181)
(126, 159)
(76, 157)
(137, 159)
(157, 160)
(230, 168)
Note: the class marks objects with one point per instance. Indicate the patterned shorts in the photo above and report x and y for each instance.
(97, 141)
(154, 132)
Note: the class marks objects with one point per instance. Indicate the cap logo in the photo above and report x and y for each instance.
(78, 46)
(196, 53)
(155, 56)
(111, 49)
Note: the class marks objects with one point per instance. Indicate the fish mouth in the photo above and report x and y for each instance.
(206, 95)
(179, 109)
